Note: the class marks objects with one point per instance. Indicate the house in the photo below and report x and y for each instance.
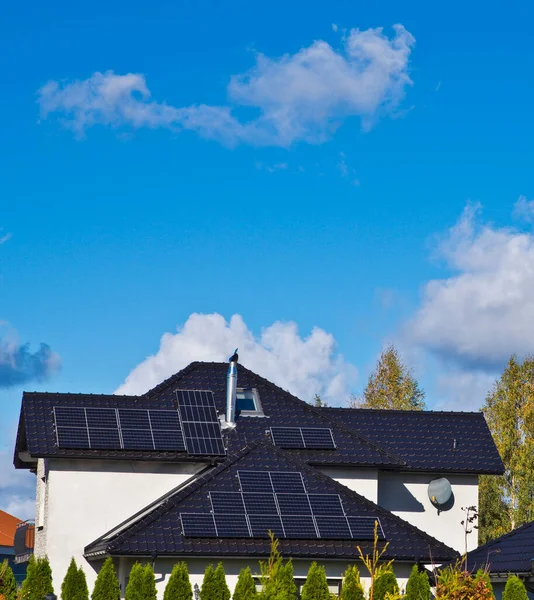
(8, 531)
(202, 466)
(510, 554)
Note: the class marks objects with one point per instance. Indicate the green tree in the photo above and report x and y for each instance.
(352, 588)
(178, 586)
(318, 402)
(418, 586)
(207, 590)
(38, 580)
(277, 581)
(245, 588)
(287, 587)
(315, 586)
(134, 589)
(149, 584)
(74, 586)
(8, 584)
(507, 502)
(514, 589)
(385, 584)
(106, 585)
(221, 587)
(391, 385)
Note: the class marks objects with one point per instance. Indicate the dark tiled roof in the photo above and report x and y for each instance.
(159, 531)
(511, 553)
(428, 441)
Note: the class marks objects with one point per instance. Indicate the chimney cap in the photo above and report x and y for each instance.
(234, 357)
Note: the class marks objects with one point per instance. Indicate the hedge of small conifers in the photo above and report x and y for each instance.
(276, 578)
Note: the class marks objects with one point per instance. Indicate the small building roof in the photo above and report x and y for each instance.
(8, 525)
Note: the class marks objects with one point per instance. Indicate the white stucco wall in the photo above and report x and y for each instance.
(406, 495)
(362, 481)
(85, 499)
(197, 566)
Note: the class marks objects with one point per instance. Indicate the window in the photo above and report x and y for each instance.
(248, 402)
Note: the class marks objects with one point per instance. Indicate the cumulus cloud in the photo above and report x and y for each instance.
(524, 209)
(17, 487)
(297, 97)
(484, 312)
(19, 365)
(304, 366)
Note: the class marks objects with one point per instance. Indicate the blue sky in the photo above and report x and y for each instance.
(292, 164)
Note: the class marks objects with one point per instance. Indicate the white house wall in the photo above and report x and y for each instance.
(406, 495)
(197, 566)
(85, 499)
(362, 481)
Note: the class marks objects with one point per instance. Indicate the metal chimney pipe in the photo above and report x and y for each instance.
(231, 390)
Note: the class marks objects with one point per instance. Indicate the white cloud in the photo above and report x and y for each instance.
(304, 366)
(524, 209)
(4, 237)
(298, 97)
(462, 390)
(484, 312)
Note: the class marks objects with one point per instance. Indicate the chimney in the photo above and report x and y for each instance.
(231, 390)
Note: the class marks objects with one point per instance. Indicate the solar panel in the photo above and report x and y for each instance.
(69, 416)
(200, 424)
(133, 418)
(294, 504)
(137, 439)
(260, 504)
(255, 481)
(318, 437)
(237, 526)
(303, 437)
(227, 502)
(362, 528)
(102, 439)
(326, 504)
(101, 418)
(198, 525)
(70, 437)
(284, 482)
(172, 440)
(164, 419)
(299, 526)
(260, 525)
(287, 437)
(333, 527)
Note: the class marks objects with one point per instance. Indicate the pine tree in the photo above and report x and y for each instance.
(418, 586)
(391, 386)
(38, 580)
(149, 584)
(8, 584)
(315, 586)
(207, 591)
(106, 585)
(82, 591)
(179, 586)
(507, 502)
(385, 583)
(352, 588)
(514, 589)
(245, 588)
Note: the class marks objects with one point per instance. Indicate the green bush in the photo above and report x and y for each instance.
(134, 589)
(8, 584)
(207, 591)
(315, 586)
(106, 585)
(385, 583)
(179, 586)
(149, 584)
(418, 586)
(245, 588)
(352, 588)
(514, 589)
(74, 586)
(38, 580)
(288, 588)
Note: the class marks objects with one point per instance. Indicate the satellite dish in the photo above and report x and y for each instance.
(439, 491)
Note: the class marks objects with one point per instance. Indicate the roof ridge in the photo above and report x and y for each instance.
(402, 411)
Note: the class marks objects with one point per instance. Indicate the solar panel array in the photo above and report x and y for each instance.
(118, 428)
(194, 427)
(315, 438)
(200, 423)
(277, 501)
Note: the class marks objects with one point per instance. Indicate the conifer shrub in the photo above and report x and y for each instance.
(134, 589)
(245, 588)
(107, 584)
(418, 586)
(386, 583)
(352, 588)
(8, 584)
(514, 589)
(221, 587)
(178, 586)
(149, 584)
(38, 580)
(315, 586)
(74, 586)
(207, 591)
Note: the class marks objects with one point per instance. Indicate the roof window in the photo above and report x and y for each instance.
(248, 403)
